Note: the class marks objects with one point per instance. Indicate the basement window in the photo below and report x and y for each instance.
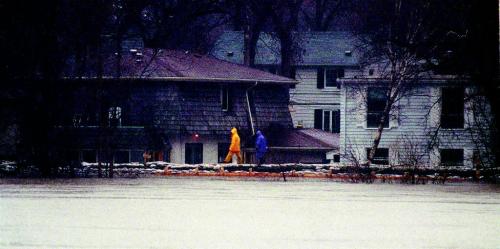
(381, 156)
(89, 156)
(452, 157)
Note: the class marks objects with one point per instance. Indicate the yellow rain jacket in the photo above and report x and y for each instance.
(235, 141)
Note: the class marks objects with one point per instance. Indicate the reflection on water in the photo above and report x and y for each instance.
(215, 213)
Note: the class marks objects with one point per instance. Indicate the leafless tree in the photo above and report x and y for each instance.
(323, 14)
(402, 41)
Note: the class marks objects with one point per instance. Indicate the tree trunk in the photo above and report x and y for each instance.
(287, 53)
(380, 128)
(250, 47)
(111, 166)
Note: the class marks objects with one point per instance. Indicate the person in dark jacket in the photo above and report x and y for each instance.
(260, 148)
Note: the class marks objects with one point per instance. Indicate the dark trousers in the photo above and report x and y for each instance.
(260, 160)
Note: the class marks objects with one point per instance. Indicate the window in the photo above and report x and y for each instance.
(77, 120)
(136, 156)
(452, 157)
(327, 77)
(327, 120)
(122, 156)
(222, 149)
(381, 156)
(89, 156)
(452, 112)
(194, 153)
(336, 158)
(71, 155)
(225, 98)
(375, 107)
(115, 116)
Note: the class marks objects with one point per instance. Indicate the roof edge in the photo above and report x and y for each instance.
(284, 82)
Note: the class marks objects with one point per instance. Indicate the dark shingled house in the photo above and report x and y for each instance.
(177, 106)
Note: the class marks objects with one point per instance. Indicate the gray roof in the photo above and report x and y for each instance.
(317, 48)
(306, 139)
(174, 65)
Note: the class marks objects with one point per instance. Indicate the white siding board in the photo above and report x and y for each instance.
(413, 122)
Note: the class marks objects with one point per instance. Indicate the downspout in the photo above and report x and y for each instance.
(344, 89)
(249, 108)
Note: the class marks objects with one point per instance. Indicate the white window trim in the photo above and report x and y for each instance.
(464, 160)
(324, 77)
(388, 153)
(115, 110)
(329, 120)
(393, 115)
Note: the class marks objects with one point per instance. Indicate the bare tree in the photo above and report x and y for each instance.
(403, 38)
(285, 16)
(250, 16)
(324, 13)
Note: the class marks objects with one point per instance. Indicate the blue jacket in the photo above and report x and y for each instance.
(260, 145)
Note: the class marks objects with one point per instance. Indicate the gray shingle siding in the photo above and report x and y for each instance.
(173, 109)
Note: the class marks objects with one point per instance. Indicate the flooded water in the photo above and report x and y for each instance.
(215, 213)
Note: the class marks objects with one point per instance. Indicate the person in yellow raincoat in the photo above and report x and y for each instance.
(234, 148)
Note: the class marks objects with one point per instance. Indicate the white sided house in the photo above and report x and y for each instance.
(436, 124)
(324, 57)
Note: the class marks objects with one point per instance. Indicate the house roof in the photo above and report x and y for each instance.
(174, 65)
(318, 48)
(307, 139)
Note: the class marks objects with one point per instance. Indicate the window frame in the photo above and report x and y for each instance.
(369, 113)
(461, 161)
(224, 98)
(115, 113)
(115, 156)
(222, 149)
(186, 145)
(339, 72)
(452, 120)
(332, 113)
(377, 159)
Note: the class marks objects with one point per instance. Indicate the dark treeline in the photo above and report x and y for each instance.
(39, 38)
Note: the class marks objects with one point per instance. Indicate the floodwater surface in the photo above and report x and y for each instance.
(216, 213)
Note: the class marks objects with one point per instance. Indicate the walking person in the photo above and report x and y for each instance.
(234, 148)
(260, 148)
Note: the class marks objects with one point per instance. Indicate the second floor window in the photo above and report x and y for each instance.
(327, 77)
(452, 157)
(115, 116)
(452, 108)
(375, 107)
